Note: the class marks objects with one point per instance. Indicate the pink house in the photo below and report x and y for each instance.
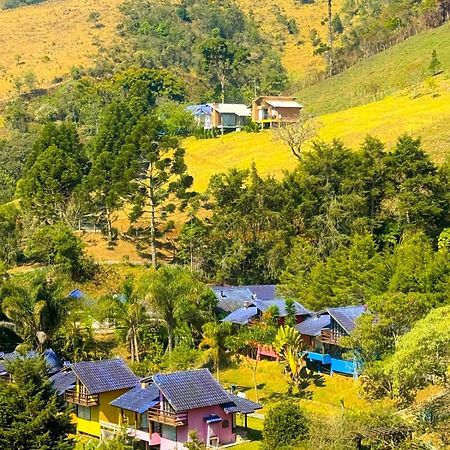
(176, 403)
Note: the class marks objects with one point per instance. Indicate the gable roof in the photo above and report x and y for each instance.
(284, 103)
(191, 389)
(232, 108)
(264, 305)
(313, 325)
(346, 316)
(105, 375)
(263, 291)
(230, 298)
(198, 110)
(62, 381)
(52, 360)
(138, 399)
(241, 316)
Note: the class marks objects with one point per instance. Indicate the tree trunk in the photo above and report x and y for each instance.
(108, 224)
(222, 87)
(152, 224)
(255, 368)
(169, 339)
(330, 39)
(136, 346)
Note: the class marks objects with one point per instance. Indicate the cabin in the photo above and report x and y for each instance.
(202, 115)
(229, 116)
(322, 333)
(270, 110)
(158, 412)
(97, 383)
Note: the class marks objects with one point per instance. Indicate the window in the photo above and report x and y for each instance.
(84, 412)
(225, 424)
(168, 432)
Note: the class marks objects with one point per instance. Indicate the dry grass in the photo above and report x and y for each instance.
(297, 53)
(50, 38)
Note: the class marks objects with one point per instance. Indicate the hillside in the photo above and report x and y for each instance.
(297, 49)
(401, 67)
(50, 38)
(426, 115)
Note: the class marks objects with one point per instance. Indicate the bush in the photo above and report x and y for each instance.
(285, 425)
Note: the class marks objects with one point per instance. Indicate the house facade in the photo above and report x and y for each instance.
(229, 116)
(158, 412)
(270, 110)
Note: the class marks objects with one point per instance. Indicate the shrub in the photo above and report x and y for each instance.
(285, 425)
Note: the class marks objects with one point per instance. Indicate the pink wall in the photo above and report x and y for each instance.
(196, 422)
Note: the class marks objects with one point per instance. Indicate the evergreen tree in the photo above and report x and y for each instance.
(435, 64)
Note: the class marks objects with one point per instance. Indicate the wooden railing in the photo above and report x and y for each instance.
(328, 336)
(168, 418)
(78, 398)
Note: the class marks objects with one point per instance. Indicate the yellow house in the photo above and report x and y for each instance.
(97, 384)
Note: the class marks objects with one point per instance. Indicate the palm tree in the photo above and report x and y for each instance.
(174, 295)
(129, 315)
(214, 342)
(34, 308)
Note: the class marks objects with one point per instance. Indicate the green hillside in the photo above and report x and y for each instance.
(400, 67)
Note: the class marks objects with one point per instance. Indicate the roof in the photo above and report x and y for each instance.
(199, 109)
(313, 325)
(104, 376)
(346, 316)
(191, 389)
(76, 293)
(274, 97)
(3, 370)
(62, 381)
(212, 418)
(263, 291)
(263, 305)
(284, 104)
(242, 315)
(138, 399)
(241, 405)
(231, 298)
(52, 360)
(232, 108)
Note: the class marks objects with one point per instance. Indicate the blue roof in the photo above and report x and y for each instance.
(76, 293)
(191, 389)
(197, 110)
(263, 291)
(241, 405)
(104, 376)
(52, 360)
(241, 316)
(346, 316)
(313, 325)
(263, 305)
(212, 418)
(231, 298)
(62, 381)
(138, 399)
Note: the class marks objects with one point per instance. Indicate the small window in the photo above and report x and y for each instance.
(84, 412)
(225, 424)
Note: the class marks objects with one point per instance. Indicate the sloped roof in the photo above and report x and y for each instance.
(52, 360)
(76, 293)
(241, 405)
(284, 104)
(104, 376)
(138, 399)
(191, 389)
(263, 291)
(230, 298)
(232, 108)
(346, 316)
(313, 325)
(204, 109)
(62, 381)
(3, 370)
(242, 315)
(263, 305)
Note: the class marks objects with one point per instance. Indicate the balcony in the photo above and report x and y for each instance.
(78, 398)
(328, 336)
(168, 418)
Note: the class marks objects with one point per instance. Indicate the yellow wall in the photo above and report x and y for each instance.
(103, 412)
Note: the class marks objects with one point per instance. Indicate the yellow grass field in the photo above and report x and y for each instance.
(50, 38)
(297, 52)
(426, 116)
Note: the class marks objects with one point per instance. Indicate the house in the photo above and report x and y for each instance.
(97, 383)
(229, 116)
(269, 110)
(322, 333)
(202, 115)
(159, 411)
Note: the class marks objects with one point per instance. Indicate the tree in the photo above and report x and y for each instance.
(330, 38)
(290, 320)
(160, 177)
(10, 232)
(55, 168)
(57, 245)
(175, 296)
(215, 344)
(285, 425)
(194, 443)
(221, 57)
(129, 315)
(35, 308)
(34, 416)
(297, 134)
(435, 64)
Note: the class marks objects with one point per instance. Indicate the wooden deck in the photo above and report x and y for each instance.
(78, 398)
(168, 418)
